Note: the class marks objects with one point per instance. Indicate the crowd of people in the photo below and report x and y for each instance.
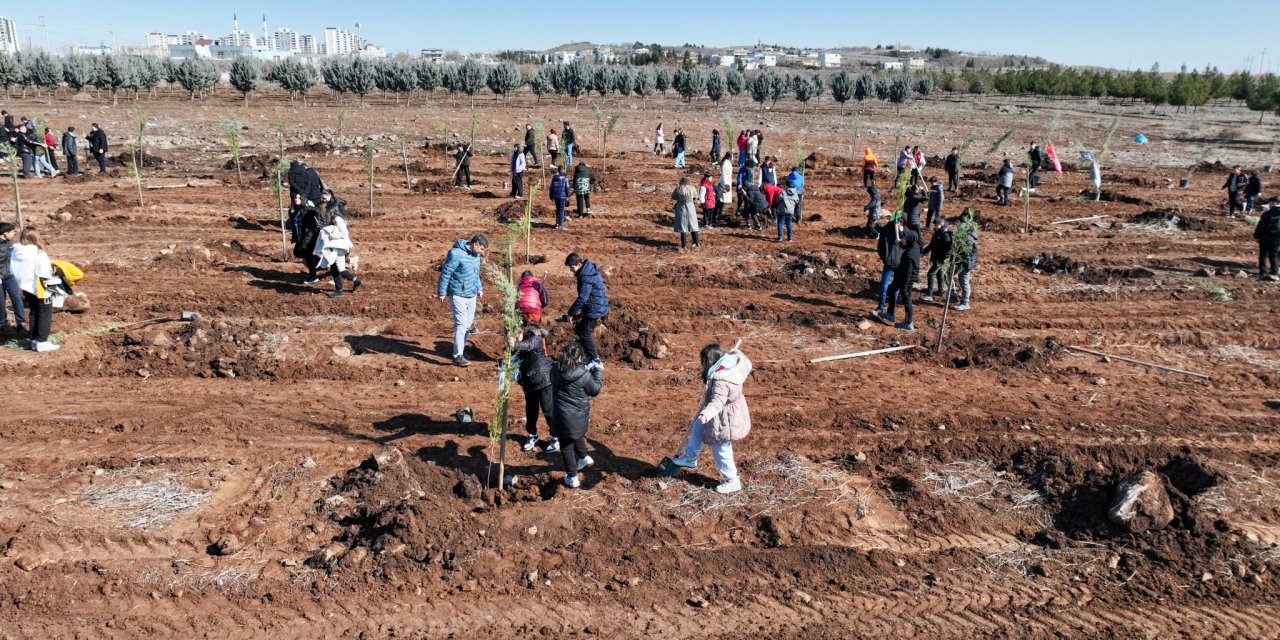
(37, 151)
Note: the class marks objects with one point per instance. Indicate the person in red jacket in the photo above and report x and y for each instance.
(710, 203)
(771, 192)
(531, 297)
(52, 146)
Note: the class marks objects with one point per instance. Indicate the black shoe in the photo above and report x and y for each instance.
(337, 294)
(355, 284)
(461, 362)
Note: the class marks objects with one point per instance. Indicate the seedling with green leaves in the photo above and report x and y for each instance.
(402, 139)
(964, 239)
(231, 128)
(606, 125)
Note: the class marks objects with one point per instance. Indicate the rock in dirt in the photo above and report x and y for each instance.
(31, 564)
(382, 459)
(801, 597)
(1203, 273)
(1141, 503)
(469, 488)
(342, 351)
(227, 545)
(308, 464)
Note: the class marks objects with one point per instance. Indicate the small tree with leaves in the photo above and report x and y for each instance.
(734, 82)
(842, 88)
(576, 79)
(715, 85)
(899, 91)
(402, 139)
(605, 125)
(504, 79)
(428, 76)
(471, 77)
(10, 73)
(662, 79)
(645, 85)
(761, 88)
(231, 129)
(541, 83)
(803, 89)
(294, 77)
(964, 245)
(77, 72)
(245, 75)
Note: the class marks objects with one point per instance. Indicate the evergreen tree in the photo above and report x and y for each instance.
(245, 74)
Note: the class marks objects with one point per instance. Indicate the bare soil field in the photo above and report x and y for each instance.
(289, 465)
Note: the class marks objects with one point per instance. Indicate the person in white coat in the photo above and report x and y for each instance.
(723, 416)
(333, 246)
(31, 268)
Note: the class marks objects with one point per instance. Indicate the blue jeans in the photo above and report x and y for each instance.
(721, 452)
(886, 276)
(464, 313)
(560, 205)
(742, 158)
(965, 289)
(568, 156)
(42, 161)
(10, 288)
(680, 158)
(784, 220)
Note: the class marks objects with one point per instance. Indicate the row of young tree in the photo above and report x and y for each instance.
(361, 77)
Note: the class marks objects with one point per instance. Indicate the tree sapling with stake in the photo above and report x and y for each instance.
(231, 127)
(368, 152)
(403, 139)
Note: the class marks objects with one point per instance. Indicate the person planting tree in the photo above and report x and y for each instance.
(575, 380)
(535, 381)
(591, 305)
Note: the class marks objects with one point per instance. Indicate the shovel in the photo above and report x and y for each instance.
(668, 467)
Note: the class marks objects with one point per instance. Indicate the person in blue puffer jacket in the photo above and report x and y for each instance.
(460, 282)
(559, 192)
(591, 305)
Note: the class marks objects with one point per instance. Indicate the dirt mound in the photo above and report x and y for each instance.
(149, 160)
(421, 167)
(1214, 167)
(964, 349)
(819, 160)
(253, 164)
(1175, 218)
(203, 348)
(514, 210)
(432, 186)
(1051, 264)
(100, 202)
(622, 337)
(1114, 196)
(313, 148)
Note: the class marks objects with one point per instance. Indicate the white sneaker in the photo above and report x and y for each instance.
(572, 482)
(553, 446)
(730, 487)
(681, 461)
(45, 346)
(585, 462)
(530, 443)
(960, 307)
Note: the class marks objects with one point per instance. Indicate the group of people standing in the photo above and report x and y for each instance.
(26, 274)
(321, 238)
(38, 151)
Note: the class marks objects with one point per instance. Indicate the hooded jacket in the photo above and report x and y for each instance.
(869, 160)
(531, 295)
(70, 147)
(786, 202)
(583, 177)
(1268, 229)
(936, 199)
(1005, 176)
(535, 366)
(797, 179)
(593, 299)
(28, 264)
(559, 187)
(571, 407)
(755, 198)
(723, 410)
(952, 164)
(939, 245)
(1253, 186)
(460, 275)
(887, 246)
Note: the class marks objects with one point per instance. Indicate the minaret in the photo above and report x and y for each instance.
(235, 24)
(266, 38)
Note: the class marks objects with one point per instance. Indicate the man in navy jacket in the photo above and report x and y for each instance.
(592, 303)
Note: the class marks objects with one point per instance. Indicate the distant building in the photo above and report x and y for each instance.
(723, 60)
(190, 38)
(100, 50)
(197, 49)
(604, 55)
(916, 63)
(229, 52)
(339, 42)
(308, 45)
(434, 56)
(564, 57)
(155, 39)
(287, 40)
(371, 52)
(237, 38)
(8, 36)
(763, 59)
(640, 51)
(891, 66)
(161, 51)
(829, 60)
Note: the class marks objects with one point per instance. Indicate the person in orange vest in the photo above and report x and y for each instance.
(531, 297)
(869, 163)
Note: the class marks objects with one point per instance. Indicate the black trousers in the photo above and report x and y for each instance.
(73, 166)
(533, 400)
(338, 276)
(517, 184)
(585, 328)
(584, 203)
(1234, 203)
(463, 176)
(902, 279)
(1268, 256)
(953, 181)
(572, 450)
(39, 316)
(102, 161)
(868, 177)
(312, 263)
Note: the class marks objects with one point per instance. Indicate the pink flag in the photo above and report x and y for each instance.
(1053, 155)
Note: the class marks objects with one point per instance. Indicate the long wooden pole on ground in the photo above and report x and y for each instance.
(861, 354)
(1138, 362)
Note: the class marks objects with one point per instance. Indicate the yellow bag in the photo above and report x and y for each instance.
(71, 274)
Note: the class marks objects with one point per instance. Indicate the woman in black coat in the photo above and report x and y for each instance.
(306, 232)
(574, 382)
(535, 380)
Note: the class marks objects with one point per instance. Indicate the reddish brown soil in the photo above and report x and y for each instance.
(333, 494)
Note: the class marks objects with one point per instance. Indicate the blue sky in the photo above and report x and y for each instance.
(1115, 33)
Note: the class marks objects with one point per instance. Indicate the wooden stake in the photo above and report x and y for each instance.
(1085, 219)
(1137, 362)
(863, 353)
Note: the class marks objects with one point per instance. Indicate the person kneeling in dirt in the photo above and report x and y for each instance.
(904, 276)
(531, 297)
(591, 305)
(723, 416)
(535, 380)
(574, 381)
(333, 246)
(1267, 233)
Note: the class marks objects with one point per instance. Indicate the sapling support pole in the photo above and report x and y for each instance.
(946, 306)
(1138, 362)
(1084, 219)
(862, 354)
